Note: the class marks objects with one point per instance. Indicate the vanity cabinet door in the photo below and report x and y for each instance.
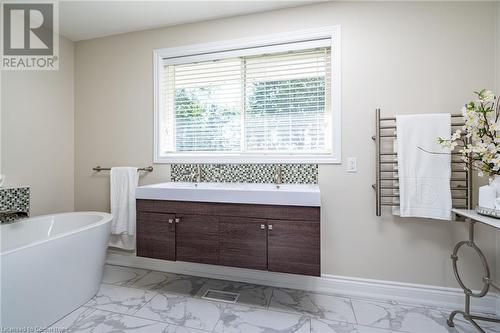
(156, 235)
(294, 247)
(243, 242)
(197, 238)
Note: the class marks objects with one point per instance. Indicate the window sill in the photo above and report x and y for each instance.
(253, 159)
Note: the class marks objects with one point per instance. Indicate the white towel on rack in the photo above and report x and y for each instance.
(424, 166)
(123, 184)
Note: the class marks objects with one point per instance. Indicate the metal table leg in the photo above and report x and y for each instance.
(487, 283)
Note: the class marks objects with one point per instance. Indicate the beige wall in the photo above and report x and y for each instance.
(402, 57)
(38, 133)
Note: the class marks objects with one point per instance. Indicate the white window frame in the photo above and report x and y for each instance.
(197, 52)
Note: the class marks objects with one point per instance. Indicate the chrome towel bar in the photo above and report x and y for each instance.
(99, 168)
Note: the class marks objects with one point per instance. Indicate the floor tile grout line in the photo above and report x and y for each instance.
(303, 314)
(132, 270)
(81, 306)
(403, 331)
(280, 310)
(143, 290)
(154, 291)
(296, 312)
(217, 323)
(407, 304)
(270, 298)
(142, 306)
(126, 283)
(299, 315)
(360, 325)
(148, 272)
(138, 317)
(353, 311)
(129, 315)
(395, 303)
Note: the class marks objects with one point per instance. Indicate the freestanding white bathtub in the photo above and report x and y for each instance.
(50, 265)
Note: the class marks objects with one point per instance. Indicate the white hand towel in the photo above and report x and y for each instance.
(123, 184)
(424, 166)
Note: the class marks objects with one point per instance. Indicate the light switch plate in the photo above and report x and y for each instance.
(352, 164)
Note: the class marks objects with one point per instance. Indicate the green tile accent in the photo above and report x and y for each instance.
(247, 173)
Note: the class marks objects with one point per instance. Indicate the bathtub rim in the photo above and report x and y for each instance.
(105, 218)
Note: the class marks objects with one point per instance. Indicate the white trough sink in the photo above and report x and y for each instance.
(262, 194)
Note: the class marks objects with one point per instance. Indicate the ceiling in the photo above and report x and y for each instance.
(79, 20)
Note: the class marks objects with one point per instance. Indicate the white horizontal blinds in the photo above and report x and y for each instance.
(272, 103)
(167, 141)
(207, 106)
(287, 102)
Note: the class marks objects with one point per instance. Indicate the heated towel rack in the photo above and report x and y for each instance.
(386, 167)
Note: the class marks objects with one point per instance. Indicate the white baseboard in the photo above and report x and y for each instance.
(330, 284)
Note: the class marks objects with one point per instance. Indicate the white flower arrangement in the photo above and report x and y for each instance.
(478, 141)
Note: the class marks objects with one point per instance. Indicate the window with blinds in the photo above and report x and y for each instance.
(247, 104)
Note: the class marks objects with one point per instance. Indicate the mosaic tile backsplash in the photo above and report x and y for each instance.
(247, 173)
(14, 203)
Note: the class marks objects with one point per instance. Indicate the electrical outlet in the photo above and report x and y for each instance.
(352, 164)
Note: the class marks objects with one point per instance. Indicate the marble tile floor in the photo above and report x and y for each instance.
(142, 301)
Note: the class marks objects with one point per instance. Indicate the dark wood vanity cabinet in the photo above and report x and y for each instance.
(243, 242)
(156, 235)
(197, 238)
(293, 246)
(264, 237)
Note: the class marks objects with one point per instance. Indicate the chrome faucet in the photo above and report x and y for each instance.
(196, 174)
(278, 176)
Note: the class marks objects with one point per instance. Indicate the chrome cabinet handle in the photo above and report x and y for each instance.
(262, 226)
(177, 219)
(170, 221)
(270, 227)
